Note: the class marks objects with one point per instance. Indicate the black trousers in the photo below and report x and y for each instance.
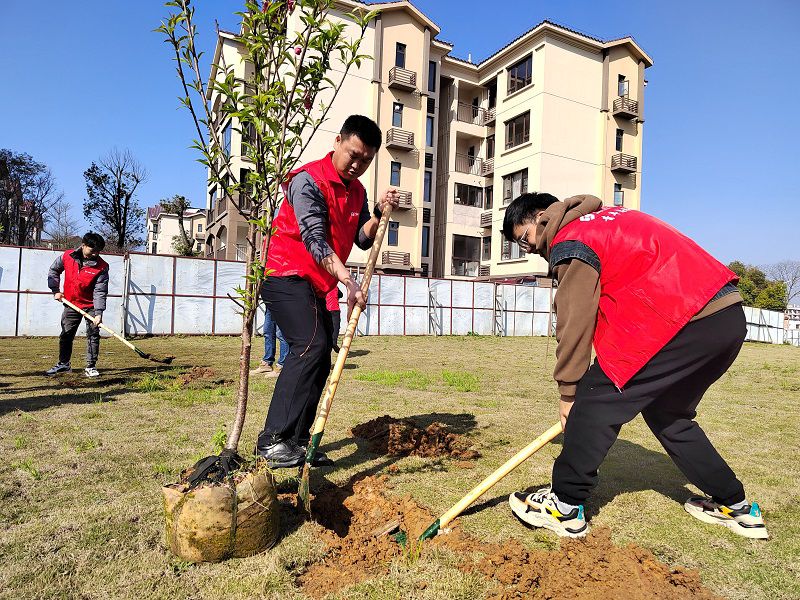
(306, 324)
(70, 321)
(336, 319)
(666, 391)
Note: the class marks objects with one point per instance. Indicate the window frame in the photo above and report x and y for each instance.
(400, 51)
(432, 76)
(397, 114)
(508, 188)
(392, 166)
(516, 83)
(430, 132)
(393, 231)
(426, 241)
(514, 130)
(473, 192)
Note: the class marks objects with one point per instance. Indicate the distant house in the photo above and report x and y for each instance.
(162, 227)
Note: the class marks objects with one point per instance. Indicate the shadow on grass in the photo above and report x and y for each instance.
(628, 467)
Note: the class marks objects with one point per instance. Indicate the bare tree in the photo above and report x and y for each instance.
(111, 186)
(62, 226)
(28, 192)
(787, 271)
(183, 244)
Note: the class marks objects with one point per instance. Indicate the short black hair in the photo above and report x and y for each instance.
(365, 128)
(94, 241)
(524, 208)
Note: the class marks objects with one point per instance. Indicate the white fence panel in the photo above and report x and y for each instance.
(416, 291)
(9, 269)
(391, 291)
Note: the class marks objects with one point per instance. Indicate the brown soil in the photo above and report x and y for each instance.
(352, 520)
(403, 437)
(201, 377)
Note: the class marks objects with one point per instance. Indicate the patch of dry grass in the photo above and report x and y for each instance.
(80, 505)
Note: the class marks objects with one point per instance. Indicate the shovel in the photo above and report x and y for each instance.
(165, 361)
(333, 383)
(484, 486)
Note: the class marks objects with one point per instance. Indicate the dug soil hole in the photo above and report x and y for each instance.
(353, 520)
(403, 437)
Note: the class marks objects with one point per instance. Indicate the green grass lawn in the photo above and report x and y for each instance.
(80, 502)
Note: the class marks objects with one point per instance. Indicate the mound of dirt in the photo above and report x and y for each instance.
(201, 377)
(403, 437)
(353, 521)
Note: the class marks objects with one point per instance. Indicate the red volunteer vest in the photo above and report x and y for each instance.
(653, 280)
(79, 282)
(288, 254)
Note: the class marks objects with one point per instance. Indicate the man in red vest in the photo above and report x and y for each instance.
(325, 212)
(666, 322)
(86, 286)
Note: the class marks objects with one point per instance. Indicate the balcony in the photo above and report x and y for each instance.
(402, 79)
(210, 215)
(469, 113)
(463, 267)
(199, 235)
(489, 116)
(623, 163)
(404, 200)
(487, 168)
(625, 108)
(400, 139)
(222, 206)
(486, 218)
(400, 259)
(484, 271)
(466, 163)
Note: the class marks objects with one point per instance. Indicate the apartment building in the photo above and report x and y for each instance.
(162, 227)
(554, 110)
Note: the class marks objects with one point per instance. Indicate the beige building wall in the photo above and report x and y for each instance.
(162, 229)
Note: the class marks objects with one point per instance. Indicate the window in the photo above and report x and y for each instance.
(493, 94)
(468, 195)
(397, 114)
(426, 187)
(490, 146)
(212, 199)
(155, 228)
(466, 255)
(426, 234)
(199, 228)
(619, 195)
(153, 248)
(226, 139)
(622, 86)
(426, 215)
(618, 142)
(428, 160)
(486, 253)
(431, 106)
(520, 74)
(394, 179)
(394, 229)
(488, 197)
(431, 76)
(429, 132)
(514, 185)
(400, 55)
(518, 130)
(511, 251)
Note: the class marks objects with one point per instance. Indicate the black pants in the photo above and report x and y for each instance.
(306, 324)
(70, 320)
(336, 318)
(666, 391)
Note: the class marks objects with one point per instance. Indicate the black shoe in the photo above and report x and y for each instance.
(320, 458)
(280, 454)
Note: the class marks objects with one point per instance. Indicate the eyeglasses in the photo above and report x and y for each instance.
(523, 242)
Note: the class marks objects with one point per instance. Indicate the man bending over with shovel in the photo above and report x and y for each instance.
(666, 322)
(325, 212)
(86, 286)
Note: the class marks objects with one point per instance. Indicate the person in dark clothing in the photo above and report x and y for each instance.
(86, 286)
(324, 213)
(332, 304)
(665, 320)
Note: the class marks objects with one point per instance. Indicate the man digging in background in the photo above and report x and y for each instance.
(666, 322)
(86, 286)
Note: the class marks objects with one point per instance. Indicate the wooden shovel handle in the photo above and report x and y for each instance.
(101, 324)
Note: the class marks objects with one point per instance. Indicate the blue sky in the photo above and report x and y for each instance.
(720, 145)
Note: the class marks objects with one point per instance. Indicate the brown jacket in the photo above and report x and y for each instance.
(578, 296)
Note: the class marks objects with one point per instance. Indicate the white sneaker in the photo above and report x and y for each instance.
(59, 368)
(540, 510)
(747, 522)
(91, 372)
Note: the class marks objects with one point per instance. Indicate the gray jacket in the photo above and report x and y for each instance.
(100, 291)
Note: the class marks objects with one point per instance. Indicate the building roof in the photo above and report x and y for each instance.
(156, 212)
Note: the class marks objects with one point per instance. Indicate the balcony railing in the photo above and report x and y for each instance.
(199, 235)
(404, 200)
(210, 215)
(222, 206)
(489, 115)
(487, 168)
(626, 108)
(469, 113)
(463, 267)
(486, 218)
(402, 79)
(396, 258)
(241, 252)
(466, 163)
(624, 163)
(484, 271)
(400, 139)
